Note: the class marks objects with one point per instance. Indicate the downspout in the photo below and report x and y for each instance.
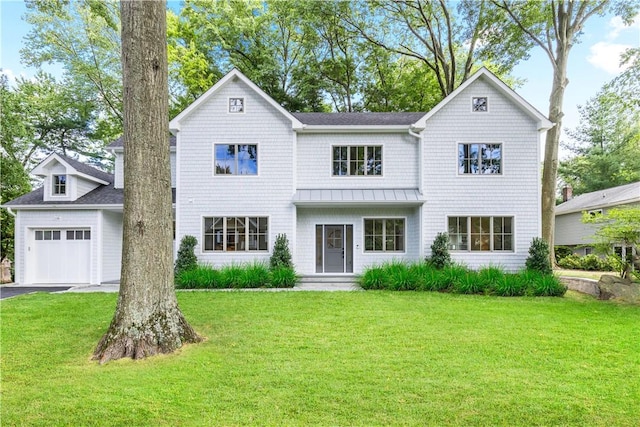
(420, 186)
(10, 211)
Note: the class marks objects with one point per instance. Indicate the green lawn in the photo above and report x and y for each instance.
(330, 358)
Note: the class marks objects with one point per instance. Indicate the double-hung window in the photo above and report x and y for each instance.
(479, 159)
(481, 233)
(59, 185)
(236, 159)
(236, 234)
(357, 160)
(384, 235)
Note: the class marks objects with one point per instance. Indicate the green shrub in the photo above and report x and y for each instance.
(440, 257)
(591, 262)
(186, 259)
(401, 277)
(510, 285)
(200, 277)
(231, 276)
(373, 278)
(254, 275)
(548, 285)
(281, 256)
(489, 277)
(283, 277)
(469, 283)
(570, 262)
(561, 252)
(538, 259)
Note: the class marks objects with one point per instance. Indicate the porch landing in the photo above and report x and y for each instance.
(328, 283)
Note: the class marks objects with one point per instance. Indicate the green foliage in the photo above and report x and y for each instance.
(236, 276)
(492, 280)
(281, 256)
(619, 226)
(538, 259)
(283, 277)
(440, 257)
(186, 259)
(591, 262)
(562, 251)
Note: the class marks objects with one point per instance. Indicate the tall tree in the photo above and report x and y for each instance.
(448, 38)
(555, 26)
(147, 319)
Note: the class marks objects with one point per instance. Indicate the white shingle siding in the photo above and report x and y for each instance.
(119, 169)
(513, 193)
(83, 186)
(111, 245)
(399, 160)
(61, 219)
(202, 194)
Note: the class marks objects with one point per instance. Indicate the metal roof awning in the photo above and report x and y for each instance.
(358, 197)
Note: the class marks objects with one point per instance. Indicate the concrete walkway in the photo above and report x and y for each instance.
(328, 284)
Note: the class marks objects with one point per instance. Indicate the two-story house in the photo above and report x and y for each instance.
(348, 189)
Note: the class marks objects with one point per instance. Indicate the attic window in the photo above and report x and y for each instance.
(59, 185)
(479, 104)
(236, 105)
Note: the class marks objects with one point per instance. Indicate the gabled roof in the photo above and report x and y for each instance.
(232, 76)
(358, 119)
(543, 122)
(81, 169)
(119, 143)
(104, 195)
(622, 195)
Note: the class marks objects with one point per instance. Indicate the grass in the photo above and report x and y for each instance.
(330, 358)
(595, 275)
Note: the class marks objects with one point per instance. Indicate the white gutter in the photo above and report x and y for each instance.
(10, 211)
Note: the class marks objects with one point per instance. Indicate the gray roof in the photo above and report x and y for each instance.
(389, 196)
(358, 119)
(624, 194)
(87, 170)
(103, 195)
(119, 143)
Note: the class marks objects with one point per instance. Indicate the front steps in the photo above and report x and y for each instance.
(328, 283)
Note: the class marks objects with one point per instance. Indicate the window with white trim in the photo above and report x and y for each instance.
(236, 105)
(479, 159)
(47, 234)
(384, 234)
(59, 185)
(357, 160)
(481, 233)
(479, 104)
(236, 234)
(236, 159)
(78, 234)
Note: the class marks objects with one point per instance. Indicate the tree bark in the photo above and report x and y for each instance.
(147, 319)
(552, 142)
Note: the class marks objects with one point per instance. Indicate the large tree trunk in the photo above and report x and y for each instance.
(147, 320)
(552, 142)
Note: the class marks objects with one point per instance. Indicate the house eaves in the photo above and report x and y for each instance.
(233, 75)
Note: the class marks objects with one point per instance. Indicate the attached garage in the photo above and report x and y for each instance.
(60, 255)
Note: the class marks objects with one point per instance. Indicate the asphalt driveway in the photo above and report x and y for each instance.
(12, 291)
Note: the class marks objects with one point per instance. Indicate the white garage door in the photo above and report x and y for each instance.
(60, 256)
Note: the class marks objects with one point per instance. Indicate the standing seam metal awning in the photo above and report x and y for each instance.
(333, 197)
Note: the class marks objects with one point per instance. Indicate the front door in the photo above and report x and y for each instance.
(334, 247)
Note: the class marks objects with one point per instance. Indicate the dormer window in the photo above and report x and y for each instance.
(236, 105)
(479, 104)
(59, 185)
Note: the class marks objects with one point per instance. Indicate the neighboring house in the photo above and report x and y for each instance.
(348, 189)
(570, 231)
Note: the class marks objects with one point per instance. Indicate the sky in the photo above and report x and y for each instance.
(592, 63)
